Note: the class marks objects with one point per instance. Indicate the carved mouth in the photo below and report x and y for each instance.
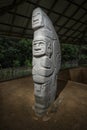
(37, 49)
(35, 21)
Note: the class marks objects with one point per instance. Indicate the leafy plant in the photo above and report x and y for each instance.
(27, 63)
(16, 63)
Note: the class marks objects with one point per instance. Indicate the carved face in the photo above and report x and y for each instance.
(39, 48)
(37, 19)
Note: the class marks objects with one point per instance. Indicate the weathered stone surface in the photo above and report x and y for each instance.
(46, 60)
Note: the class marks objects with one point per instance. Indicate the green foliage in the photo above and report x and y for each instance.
(69, 52)
(25, 51)
(27, 63)
(73, 55)
(83, 59)
(15, 53)
(83, 55)
(16, 63)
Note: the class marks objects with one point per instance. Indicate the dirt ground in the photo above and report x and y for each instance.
(69, 111)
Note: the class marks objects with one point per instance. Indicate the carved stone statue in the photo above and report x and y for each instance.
(46, 61)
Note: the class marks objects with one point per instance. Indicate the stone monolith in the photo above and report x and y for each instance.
(46, 61)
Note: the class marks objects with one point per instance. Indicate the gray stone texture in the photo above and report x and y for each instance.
(46, 61)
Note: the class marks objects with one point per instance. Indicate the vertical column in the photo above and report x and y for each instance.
(46, 61)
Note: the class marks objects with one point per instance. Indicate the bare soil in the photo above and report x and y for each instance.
(69, 111)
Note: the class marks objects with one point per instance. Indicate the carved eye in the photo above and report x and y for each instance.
(41, 43)
(34, 44)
